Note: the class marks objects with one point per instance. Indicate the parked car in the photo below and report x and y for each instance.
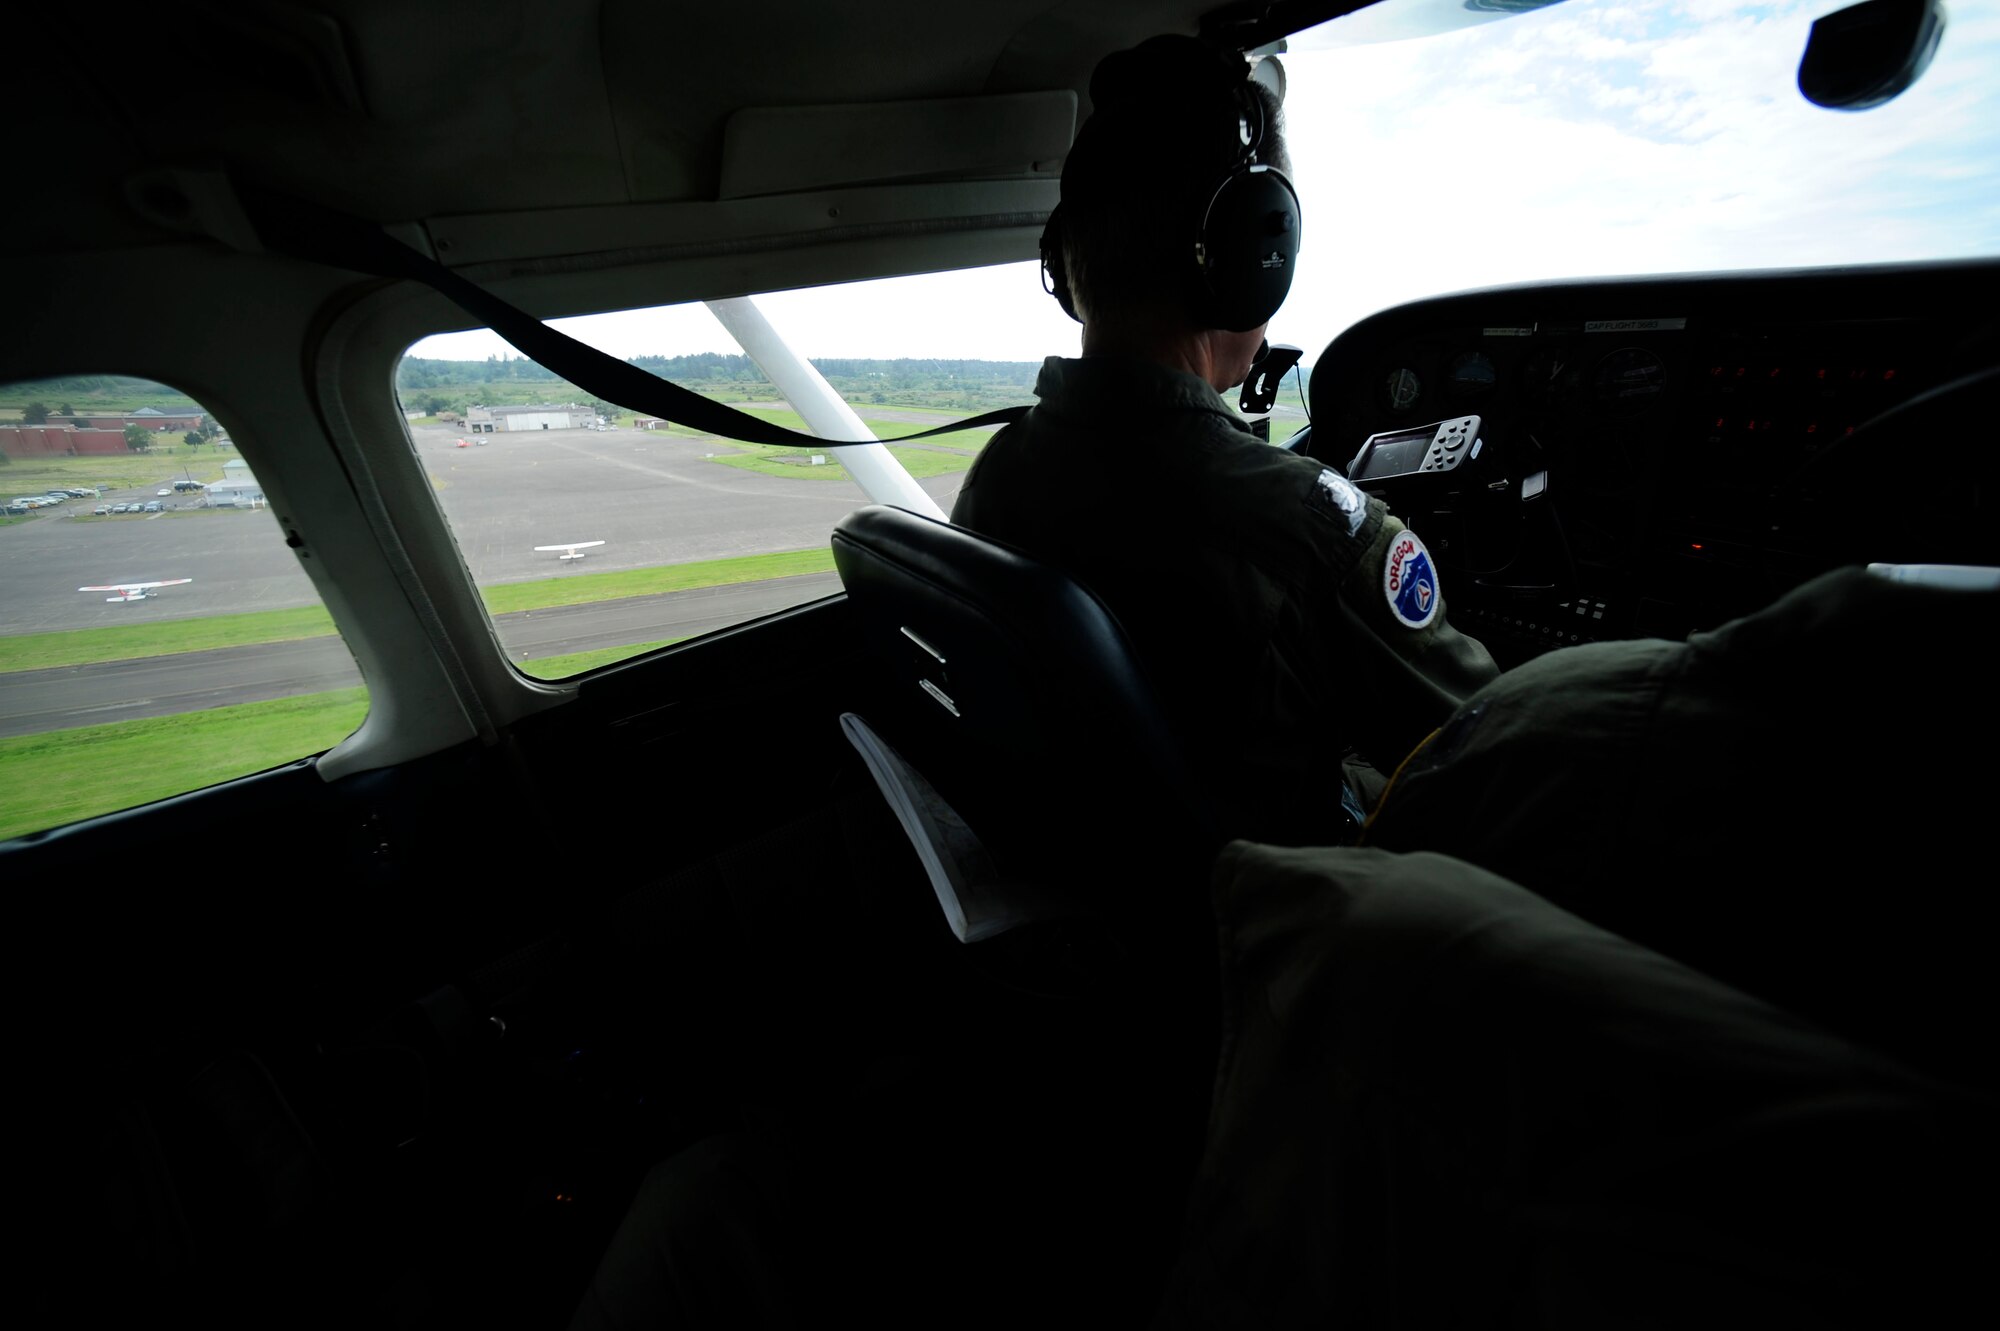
(100, 510)
(153, 507)
(163, 493)
(120, 508)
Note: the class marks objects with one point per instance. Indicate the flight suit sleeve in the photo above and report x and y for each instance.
(1381, 636)
(1406, 669)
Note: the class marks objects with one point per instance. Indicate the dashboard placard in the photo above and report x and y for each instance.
(1634, 325)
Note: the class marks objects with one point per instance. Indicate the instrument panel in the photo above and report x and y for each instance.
(1652, 448)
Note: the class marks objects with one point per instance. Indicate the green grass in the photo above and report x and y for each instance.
(583, 588)
(165, 464)
(62, 775)
(45, 651)
(921, 460)
(575, 663)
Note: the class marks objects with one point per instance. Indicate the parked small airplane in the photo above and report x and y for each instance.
(133, 591)
(574, 550)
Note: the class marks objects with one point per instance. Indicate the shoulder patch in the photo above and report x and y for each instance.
(1410, 582)
(1333, 496)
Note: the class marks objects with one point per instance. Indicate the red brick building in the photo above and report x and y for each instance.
(57, 441)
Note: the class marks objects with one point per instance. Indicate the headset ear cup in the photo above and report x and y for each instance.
(1246, 248)
(1055, 278)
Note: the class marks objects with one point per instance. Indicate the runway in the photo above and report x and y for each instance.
(32, 701)
(653, 498)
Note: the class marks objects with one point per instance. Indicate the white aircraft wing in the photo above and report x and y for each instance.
(133, 591)
(573, 545)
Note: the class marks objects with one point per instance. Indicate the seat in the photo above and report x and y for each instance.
(1021, 744)
(1446, 1101)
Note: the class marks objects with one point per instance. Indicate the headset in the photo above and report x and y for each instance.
(1242, 227)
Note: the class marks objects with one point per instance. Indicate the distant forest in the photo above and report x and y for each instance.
(429, 387)
(710, 366)
(95, 392)
(449, 385)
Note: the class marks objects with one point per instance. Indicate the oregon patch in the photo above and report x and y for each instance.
(1333, 496)
(1410, 581)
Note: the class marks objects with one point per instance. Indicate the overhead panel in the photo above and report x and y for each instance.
(785, 149)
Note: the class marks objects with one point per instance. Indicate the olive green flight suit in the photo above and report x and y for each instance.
(1252, 582)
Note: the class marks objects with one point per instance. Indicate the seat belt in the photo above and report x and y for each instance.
(304, 230)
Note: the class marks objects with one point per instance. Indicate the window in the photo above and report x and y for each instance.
(595, 533)
(156, 636)
(1594, 138)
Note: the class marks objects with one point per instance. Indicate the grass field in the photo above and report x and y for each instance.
(582, 589)
(63, 775)
(172, 462)
(46, 651)
(937, 456)
(575, 663)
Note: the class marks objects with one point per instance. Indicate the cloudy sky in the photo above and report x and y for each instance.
(1591, 138)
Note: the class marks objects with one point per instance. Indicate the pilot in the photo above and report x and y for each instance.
(1291, 625)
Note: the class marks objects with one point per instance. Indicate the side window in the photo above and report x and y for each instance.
(156, 635)
(596, 533)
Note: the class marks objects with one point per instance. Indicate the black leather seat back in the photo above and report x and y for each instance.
(1021, 700)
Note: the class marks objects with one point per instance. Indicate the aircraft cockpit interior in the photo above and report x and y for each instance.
(537, 797)
(1655, 457)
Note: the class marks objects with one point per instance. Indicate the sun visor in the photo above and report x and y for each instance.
(786, 149)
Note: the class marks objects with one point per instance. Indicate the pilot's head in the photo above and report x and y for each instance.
(1176, 206)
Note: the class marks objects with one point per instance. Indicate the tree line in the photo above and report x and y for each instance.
(418, 373)
(434, 386)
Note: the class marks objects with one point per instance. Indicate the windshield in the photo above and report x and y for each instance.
(1586, 139)
(1590, 138)
(1601, 138)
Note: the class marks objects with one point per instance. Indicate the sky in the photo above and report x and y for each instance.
(1591, 138)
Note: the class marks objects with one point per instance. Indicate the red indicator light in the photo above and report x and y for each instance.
(1819, 374)
(1775, 372)
(1812, 427)
(1694, 545)
(1887, 375)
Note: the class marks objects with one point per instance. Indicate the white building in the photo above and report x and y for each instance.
(237, 488)
(511, 419)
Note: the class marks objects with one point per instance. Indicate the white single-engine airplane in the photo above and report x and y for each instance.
(574, 550)
(133, 591)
